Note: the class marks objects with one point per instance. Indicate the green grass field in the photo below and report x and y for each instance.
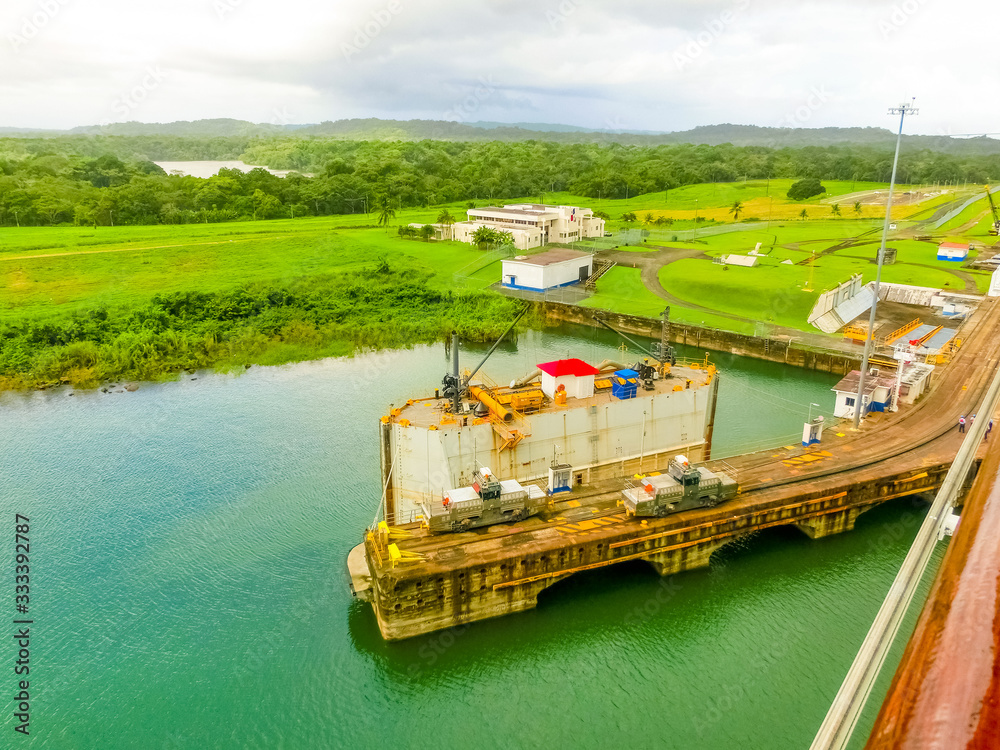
(53, 274)
(47, 271)
(621, 290)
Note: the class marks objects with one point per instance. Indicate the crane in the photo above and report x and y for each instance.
(995, 229)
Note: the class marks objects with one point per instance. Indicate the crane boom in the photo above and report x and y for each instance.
(995, 229)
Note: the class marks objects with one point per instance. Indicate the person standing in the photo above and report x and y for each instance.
(988, 428)
(961, 423)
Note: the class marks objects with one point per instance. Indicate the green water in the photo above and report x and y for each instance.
(188, 588)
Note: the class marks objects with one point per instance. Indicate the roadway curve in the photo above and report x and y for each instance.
(930, 424)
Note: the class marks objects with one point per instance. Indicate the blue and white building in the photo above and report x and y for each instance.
(548, 270)
(879, 390)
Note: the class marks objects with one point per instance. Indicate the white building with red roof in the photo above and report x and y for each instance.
(575, 375)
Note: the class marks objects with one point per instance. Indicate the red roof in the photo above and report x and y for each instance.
(562, 367)
(956, 245)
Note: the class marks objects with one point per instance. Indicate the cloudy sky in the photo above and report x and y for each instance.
(628, 64)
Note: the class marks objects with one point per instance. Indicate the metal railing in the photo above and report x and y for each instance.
(842, 718)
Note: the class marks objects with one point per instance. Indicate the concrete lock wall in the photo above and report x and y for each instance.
(412, 601)
(772, 350)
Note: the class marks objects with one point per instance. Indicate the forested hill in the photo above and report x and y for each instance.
(410, 130)
(91, 180)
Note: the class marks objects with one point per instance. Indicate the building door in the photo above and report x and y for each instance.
(584, 273)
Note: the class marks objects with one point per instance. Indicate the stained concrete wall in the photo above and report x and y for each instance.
(772, 350)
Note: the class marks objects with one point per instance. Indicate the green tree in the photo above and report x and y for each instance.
(386, 213)
(857, 207)
(483, 236)
(804, 214)
(736, 210)
(629, 217)
(265, 205)
(448, 221)
(648, 218)
(806, 188)
(835, 209)
(426, 232)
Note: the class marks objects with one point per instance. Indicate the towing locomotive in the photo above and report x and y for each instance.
(683, 487)
(488, 501)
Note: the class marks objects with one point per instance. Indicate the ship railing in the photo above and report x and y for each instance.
(520, 420)
(487, 382)
(692, 363)
(411, 516)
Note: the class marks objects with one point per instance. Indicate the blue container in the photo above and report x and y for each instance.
(624, 384)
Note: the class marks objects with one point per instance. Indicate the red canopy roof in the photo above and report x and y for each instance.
(562, 367)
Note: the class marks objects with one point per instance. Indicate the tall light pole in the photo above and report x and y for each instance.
(902, 110)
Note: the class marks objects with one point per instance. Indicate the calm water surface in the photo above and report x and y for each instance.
(188, 588)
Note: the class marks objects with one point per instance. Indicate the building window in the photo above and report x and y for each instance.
(848, 401)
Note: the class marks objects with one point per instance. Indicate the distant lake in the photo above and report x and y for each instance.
(209, 168)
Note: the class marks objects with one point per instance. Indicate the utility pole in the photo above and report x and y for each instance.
(902, 110)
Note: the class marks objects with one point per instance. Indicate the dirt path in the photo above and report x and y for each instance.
(650, 263)
(130, 249)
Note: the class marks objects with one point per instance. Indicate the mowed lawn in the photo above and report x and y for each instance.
(621, 290)
(51, 271)
(47, 270)
(779, 293)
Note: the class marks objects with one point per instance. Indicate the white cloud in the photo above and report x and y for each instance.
(640, 64)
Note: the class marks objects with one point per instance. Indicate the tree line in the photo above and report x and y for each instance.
(108, 180)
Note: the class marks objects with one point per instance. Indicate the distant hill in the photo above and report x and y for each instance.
(379, 129)
(222, 127)
(544, 127)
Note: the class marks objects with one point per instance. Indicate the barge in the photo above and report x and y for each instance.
(558, 433)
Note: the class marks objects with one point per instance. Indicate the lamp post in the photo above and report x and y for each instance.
(695, 218)
(902, 110)
(811, 412)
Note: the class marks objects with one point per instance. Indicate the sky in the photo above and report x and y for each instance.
(660, 65)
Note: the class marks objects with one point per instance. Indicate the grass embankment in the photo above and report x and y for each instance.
(621, 290)
(86, 306)
(823, 253)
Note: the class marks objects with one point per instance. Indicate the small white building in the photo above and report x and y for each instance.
(956, 251)
(575, 375)
(740, 260)
(532, 224)
(877, 395)
(548, 270)
(915, 380)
